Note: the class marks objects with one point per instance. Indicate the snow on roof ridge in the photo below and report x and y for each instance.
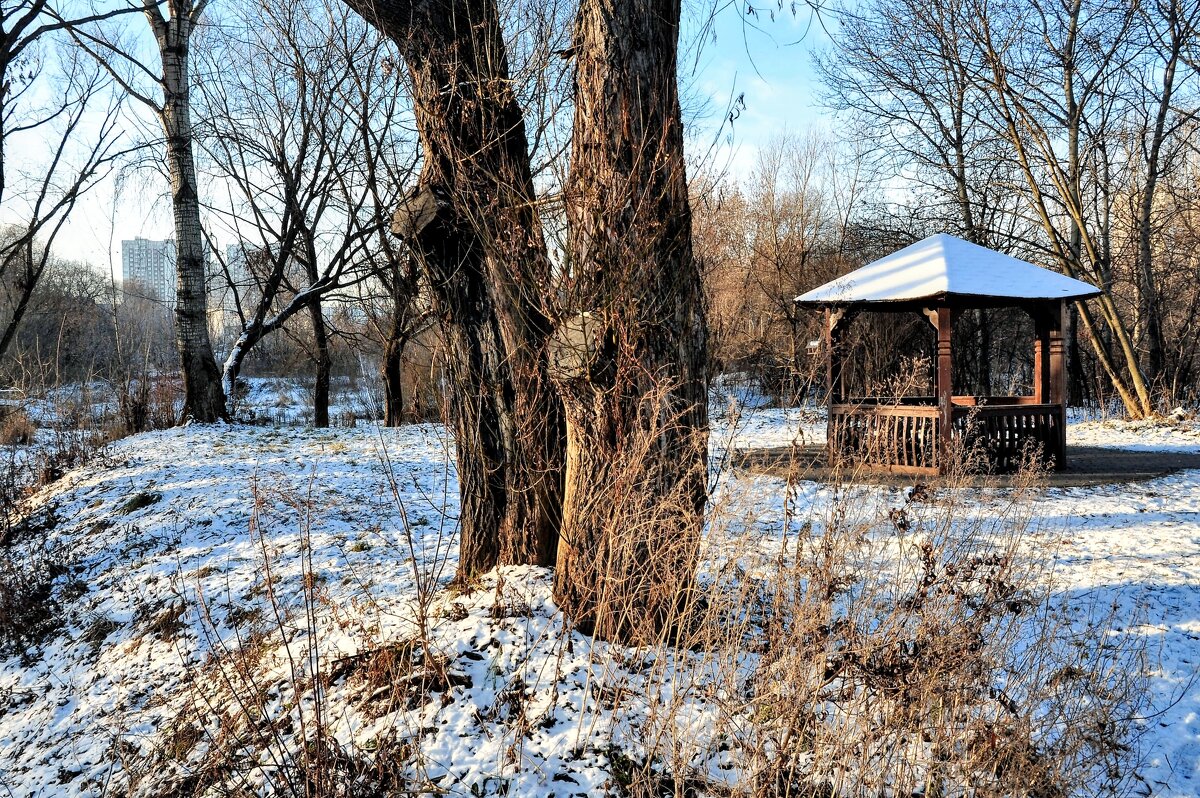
(943, 264)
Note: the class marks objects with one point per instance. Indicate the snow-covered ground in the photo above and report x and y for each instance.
(182, 556)
(288, 401)
(1142, 436)
(272, 400)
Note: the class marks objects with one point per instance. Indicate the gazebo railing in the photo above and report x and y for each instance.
(1006, 433)
(906, 438)
(901, 438)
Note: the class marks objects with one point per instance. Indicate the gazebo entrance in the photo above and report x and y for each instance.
(940, 277)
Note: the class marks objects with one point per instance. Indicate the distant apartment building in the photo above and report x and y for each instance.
(236, 270)
(229, 283)
(148, 269)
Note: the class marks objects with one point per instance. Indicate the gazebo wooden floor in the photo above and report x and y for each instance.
(1086, 466)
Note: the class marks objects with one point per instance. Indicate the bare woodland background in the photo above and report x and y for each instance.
(1063, 133)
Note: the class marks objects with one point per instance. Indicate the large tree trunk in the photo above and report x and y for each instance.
(474, 228)
(631, 362)
(204, 399)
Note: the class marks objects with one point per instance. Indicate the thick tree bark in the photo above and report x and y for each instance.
(474, 229)
(204, 399)
(632, 362)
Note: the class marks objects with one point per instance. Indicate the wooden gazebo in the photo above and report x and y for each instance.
(940, 277)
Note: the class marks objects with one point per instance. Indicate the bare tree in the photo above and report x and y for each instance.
(1170, 27)
(910, 65)
(49, 96)
(1049, 87)
(777, 234)
(169, 97)
(303, 116)
(64, 335)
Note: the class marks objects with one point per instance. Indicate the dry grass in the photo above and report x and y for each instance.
(255, 715)
(874, 646)
(861, 643)
(29, 611)
(16, 428)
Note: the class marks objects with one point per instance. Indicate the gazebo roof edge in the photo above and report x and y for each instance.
(945, 268)
(965, 300)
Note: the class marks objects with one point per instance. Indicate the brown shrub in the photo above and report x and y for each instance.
(16, 428)
(28, 612)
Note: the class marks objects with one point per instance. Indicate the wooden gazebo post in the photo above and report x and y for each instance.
(945, 383)
(1049, 374)
(836, 320)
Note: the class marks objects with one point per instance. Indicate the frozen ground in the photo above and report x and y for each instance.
(182, 552)
(283, 401)
(1135, 546)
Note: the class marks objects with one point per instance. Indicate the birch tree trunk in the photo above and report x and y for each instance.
(631, 362)
(474, 229)
(204, 399)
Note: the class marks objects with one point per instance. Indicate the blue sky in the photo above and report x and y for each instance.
(765, 60)
(768, 60)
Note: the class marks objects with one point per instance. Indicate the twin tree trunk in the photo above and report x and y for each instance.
(631, 361)
(629, 355)
(204, 399)
(474, 229)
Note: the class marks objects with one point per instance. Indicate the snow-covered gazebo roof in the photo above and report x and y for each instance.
(946, 267)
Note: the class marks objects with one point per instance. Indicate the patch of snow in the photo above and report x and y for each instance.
(1164, 435)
